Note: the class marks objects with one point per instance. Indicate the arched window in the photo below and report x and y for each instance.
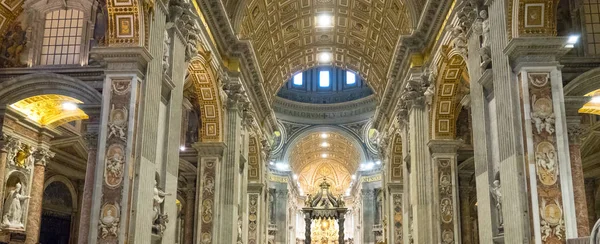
(63, 30)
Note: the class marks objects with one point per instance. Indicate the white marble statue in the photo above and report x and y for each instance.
(497, 194)
(13, 212)
(239, 235)
(166, 52)
(485, 50)
(159, 198)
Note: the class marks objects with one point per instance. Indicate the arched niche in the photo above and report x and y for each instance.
(59, 210)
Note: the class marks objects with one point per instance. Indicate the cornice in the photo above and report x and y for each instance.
(535, 50)
(309, 113)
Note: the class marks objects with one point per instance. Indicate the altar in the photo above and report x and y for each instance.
(324, 216)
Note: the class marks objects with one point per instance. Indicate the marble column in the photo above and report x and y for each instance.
(188, 229)
(91, 138)
(480, 86)
(229, 189)
(445, 190)
(590, 192)
(210, 157)
(576, 132)
(420, 162)
(32, 230)
(465, 189)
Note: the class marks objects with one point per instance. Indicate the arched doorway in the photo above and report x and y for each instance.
(57, 214)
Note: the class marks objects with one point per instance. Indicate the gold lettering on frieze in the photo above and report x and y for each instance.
(371, 178)
(277, 178)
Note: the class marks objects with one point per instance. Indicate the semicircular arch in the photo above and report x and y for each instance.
(584, 83)
(449, 90)
(25, 86)
(209, 98)
(297, 137)
(67, 183)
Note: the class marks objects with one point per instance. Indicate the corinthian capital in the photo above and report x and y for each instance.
(91, 139)
(414, 92)
(235, 93)
(577, 132)
(11, 143)
(42, 155)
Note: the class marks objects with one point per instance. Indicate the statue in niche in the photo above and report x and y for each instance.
(13, 43)
(239, 235)
(100, 27)
(497, 194)
(485, 51)
(13, 212)
(159, 219)
(193, 124)
(166, 53)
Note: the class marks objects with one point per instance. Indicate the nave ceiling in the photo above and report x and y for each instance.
(328, 155)
(286, 39)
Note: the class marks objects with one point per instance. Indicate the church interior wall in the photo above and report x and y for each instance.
(178, 167)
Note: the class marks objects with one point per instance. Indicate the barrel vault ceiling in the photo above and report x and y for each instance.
(324, 155)
(286, 40)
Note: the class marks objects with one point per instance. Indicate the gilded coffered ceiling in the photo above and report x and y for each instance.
(324, 155)
(50, 109)
(592, 107)
(286, 39)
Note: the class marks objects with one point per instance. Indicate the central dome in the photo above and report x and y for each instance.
(325, 85)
